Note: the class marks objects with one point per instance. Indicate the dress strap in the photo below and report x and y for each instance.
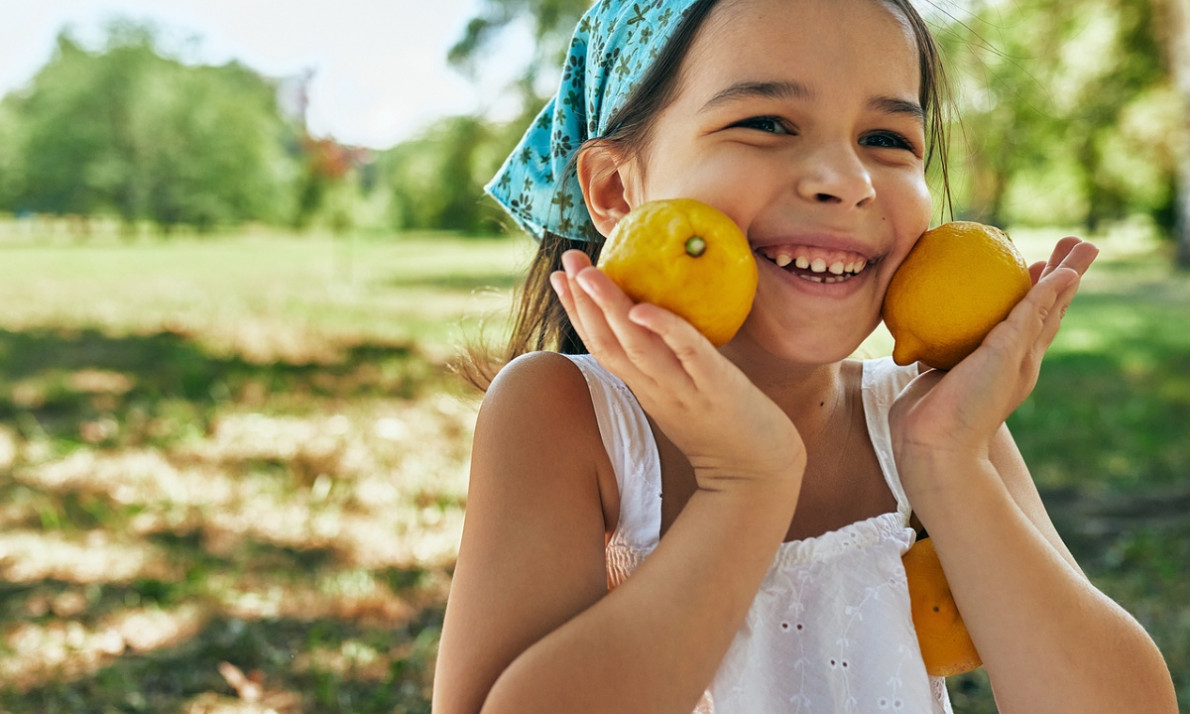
(628, 439)
(883, 380)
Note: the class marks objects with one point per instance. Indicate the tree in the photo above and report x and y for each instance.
(1177, 16)
(1067, 108)
(551, 23)
(437, 180)
(129, 131)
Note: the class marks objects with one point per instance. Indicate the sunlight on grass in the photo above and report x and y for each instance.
(68, 649)
(242, 460)
(97, 556)
(266, 297)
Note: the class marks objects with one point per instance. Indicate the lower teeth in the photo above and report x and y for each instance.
(825, 278)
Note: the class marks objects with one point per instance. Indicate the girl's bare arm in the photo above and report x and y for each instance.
(529, 625)
(1051, 642)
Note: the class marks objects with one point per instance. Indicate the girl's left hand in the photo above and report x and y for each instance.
(957, 413)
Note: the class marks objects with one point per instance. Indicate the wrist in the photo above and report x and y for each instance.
(774, 494)
(939, 477)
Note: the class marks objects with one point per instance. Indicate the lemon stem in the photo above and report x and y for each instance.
(695, 246)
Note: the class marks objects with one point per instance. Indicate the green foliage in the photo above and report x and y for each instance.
(129, 131)
(1067, 113)
(551, 24)
(437, 180)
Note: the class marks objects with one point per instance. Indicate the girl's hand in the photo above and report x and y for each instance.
(958, 412)
(728, 429)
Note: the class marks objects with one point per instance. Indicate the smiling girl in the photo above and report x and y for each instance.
(654, 525)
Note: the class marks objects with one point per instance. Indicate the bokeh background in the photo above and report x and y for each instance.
(233, 460)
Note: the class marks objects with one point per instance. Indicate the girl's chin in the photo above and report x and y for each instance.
(819, 346)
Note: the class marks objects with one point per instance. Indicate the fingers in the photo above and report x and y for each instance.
(1079, 257)
(600, 311)
(686, 343)
(1071, 252)
(1030, 329)
(1035, 321)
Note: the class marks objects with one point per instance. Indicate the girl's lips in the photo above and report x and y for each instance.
(815, 244)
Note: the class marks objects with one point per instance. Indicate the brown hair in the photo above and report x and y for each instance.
(539, 321)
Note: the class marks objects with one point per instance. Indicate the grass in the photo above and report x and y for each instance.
(215, 488)
(233, 471)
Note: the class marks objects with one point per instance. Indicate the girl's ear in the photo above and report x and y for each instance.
(601, 173)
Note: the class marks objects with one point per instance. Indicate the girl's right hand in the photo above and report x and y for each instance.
(730, 431)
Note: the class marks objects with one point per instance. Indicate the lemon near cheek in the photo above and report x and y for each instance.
(946, 646)
(687, 257)
(959, 281)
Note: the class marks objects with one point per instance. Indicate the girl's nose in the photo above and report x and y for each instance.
(835, 175)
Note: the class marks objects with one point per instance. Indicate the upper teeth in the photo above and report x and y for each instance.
(819, 265)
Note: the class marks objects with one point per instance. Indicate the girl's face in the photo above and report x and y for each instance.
(801, 121)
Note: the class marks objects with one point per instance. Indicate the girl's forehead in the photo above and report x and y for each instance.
(816, 41)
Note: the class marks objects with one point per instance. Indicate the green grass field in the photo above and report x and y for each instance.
(233, 470)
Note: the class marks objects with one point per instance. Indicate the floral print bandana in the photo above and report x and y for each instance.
(613, 47)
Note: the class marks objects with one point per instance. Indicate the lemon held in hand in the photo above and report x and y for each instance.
(960, 280)
(946, 647)
(688, 258)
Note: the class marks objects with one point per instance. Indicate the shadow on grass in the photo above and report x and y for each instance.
(300, 666)
(55, 382)
(376, 656)
(1112, 419)
(247, 579)
(455, 281)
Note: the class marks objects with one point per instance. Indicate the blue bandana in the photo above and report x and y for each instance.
(612, 49)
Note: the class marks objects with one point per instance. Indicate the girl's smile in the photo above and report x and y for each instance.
(805, 125)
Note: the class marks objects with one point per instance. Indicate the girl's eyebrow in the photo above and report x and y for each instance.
(892, 105)
(765, 90)
(797, 90)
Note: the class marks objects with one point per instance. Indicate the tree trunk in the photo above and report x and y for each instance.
(1179, 54)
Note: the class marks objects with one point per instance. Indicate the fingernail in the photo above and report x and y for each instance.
(588, 283)
(569, 261)
(558, 281)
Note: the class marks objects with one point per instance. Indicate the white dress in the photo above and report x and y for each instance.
(830, 629)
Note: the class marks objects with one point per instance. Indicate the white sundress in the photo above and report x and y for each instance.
(830, 629)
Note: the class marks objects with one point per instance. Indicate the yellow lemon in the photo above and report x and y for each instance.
(960, 280)
(687, 257)
(946, 647)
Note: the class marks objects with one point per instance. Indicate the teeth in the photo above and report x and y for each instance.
(840, 268)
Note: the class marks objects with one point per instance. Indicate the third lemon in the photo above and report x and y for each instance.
(946, 646)
(958, 282)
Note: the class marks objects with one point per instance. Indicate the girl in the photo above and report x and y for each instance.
(659, 526)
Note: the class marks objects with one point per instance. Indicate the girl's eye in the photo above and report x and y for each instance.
(770, 125)
(888, 140)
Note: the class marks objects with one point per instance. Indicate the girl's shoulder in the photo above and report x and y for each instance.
(540, 378)
(537, 428)
(544, 395)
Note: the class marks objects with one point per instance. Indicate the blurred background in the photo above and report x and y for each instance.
(238, 248)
